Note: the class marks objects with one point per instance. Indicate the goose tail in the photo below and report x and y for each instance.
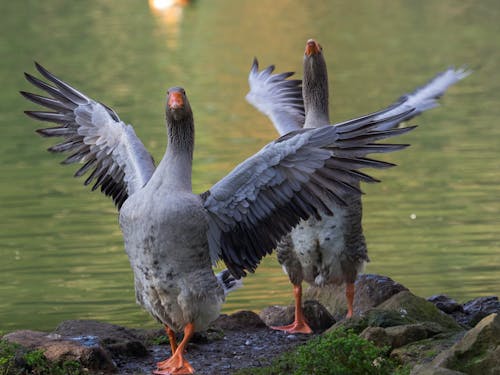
(228, 282)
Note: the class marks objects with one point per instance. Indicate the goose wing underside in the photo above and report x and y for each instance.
(295, 177)
(93, 135)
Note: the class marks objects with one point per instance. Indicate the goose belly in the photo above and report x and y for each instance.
(331, 250)
(166, 243)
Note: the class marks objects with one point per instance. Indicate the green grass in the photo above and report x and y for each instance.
(160, 340)
(15, 360)
(341, 352)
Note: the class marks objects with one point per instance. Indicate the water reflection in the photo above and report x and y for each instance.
(168, 14)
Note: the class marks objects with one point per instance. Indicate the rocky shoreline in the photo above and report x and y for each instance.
(433, 336)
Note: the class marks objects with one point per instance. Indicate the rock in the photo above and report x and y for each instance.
(377, 335)
(415, 309)
(445, 303)
(402, 335)
(277, 315)
(317, 316)
(356, 324)
(117, 340)
(470, 313)
(388, 318)
(481, 307)
(59, 349)
(401, 309)
(424, 351)
(370, 291)
(432, 370)
(398, 336)
(478, 352)
(239, 321)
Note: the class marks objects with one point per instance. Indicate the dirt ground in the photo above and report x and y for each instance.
(227, 348)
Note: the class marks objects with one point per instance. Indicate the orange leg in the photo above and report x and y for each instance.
(299, 325)
(171, 338)
(177, 365)
(349, 293)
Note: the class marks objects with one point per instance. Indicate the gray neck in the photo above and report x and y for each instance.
(176, 166)
(315, 92)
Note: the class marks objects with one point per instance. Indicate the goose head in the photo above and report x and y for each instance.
(178, 107)
(315, 85)
(315, 71)
(180, 123)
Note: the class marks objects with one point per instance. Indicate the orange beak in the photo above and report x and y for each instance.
(312, 47)
(175, 100)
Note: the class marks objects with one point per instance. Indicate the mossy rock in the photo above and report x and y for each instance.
(373, 318)
(387, 318)
(432, 370)
(410, 308)
(356, 324)
(424, 351)
(478, 352)
(401, 309)
(370, 291)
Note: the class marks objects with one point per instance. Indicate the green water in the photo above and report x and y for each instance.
(61, 248)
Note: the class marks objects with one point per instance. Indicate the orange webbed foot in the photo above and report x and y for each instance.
(295, 327)
(174, 366)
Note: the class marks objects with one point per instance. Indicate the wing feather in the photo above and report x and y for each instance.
(420, 100)
(94, 135)
(281, 100)
(277, 97)
(295, 177)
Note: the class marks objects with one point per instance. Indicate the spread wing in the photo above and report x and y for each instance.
(278, 97)
(423, 98)
(295, 177)
(93, 135)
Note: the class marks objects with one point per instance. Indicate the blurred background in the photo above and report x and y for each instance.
(432, 224)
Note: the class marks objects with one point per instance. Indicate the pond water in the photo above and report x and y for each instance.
(432, 224)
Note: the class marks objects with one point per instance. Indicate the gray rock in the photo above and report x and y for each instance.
(317, 316)
(432, 370)
(370, 291)
(415, 309)
(118, 340)
(445, 303)
(479, 308)
(478, 352)
(377, 335)
(277, 315)
(398, 336)
(239, 321)
(402, 335)
(59, 349)
(401, 309)
(424, 351)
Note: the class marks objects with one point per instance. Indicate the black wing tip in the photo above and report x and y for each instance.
(41, 69)
(29, 76)
(26, 94)
(32, 114)
(255, 66)
(42, 133)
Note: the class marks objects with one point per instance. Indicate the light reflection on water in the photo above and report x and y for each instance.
(62, 254)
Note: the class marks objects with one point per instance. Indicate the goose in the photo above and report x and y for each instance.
(331, 250)
(173, 236)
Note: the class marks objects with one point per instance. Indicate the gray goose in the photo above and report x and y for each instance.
(330, 250)
(173, 236)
